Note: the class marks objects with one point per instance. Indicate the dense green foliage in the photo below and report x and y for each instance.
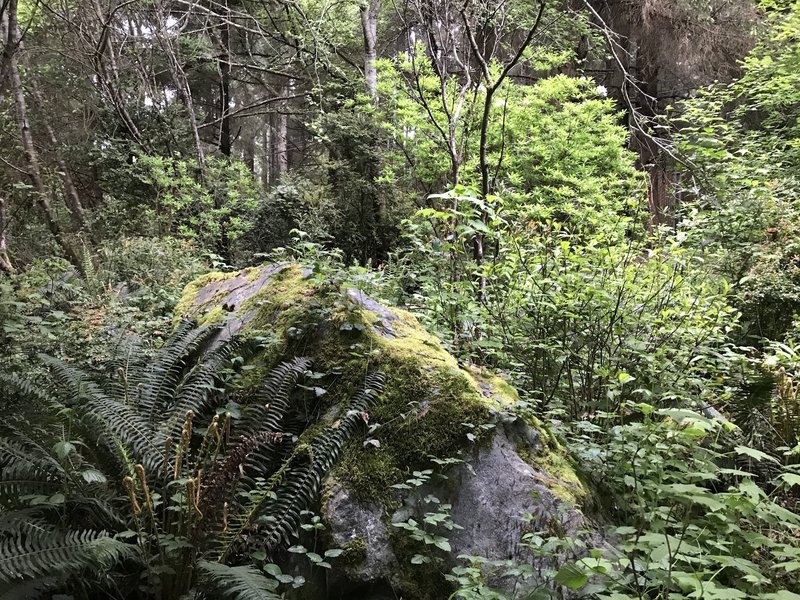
(148, 480)
(627, 255)
(741, 140)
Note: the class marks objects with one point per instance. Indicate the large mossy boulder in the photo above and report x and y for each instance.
(500, 470)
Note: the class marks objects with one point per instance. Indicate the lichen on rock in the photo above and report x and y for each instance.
(431, 407)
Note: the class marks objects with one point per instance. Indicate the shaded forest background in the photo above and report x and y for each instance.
(177, 118)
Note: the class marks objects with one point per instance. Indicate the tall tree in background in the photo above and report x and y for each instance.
(369, 26)
(661, 52)
(9, 30)
(5, 260)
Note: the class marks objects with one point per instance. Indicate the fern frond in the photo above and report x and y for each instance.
(40, 553)
(110, 422)
(129, 355)
(268, 413)
(21, 389)
(280, 516)
(125, 369)
(99, 512)
(263, 461)
(120, 428)
(199, 390)
(17, 522)
(77, 383)
(221, 483)
(26, 468)
(280, 511)
(160, 381)
(237, 583)
(268, 410)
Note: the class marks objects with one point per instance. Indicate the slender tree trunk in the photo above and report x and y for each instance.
(5, 262)
(651, 157)
(280, 147)
(492, 84)
(71, 197)
(225, 87)
(265, 162)
(249, 152)
(179, 80)
(225, 141)
(105, 63)
(279, 162)
(8, 46)
(249, 134)
(34, 171)
(369, 28)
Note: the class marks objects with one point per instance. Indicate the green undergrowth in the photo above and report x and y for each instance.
(424, 581)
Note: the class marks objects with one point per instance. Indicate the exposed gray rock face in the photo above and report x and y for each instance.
(235, 290)
(496, 498)
(231, 292)
(499, 498)
(383, 326)
(355, 524)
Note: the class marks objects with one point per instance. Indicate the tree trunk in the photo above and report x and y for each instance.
(369, 28)
(179, 80)
(5, 262)
(10, 25)
(279, 159)
(265, 157)
(249, 152)
(8, 47)
(225, 87)
(110, 81)
(71, 197)
(651, 157)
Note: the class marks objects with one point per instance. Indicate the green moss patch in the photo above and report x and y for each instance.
(431, 406)
(353, 553)
(187, 304)
(553, 469)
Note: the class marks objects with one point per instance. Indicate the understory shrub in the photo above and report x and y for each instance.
(582, 319)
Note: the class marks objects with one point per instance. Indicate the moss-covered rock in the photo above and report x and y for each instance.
(432, 407)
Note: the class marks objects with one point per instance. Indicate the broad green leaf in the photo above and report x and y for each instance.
(624, 377)
(572, 576)
(273, 569)
(791, 478)
(93, 476)
(780, 595)
(755, 454)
